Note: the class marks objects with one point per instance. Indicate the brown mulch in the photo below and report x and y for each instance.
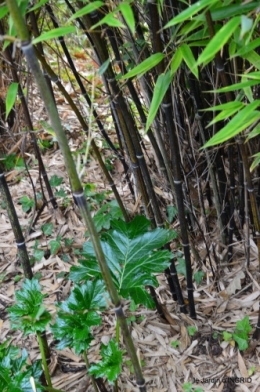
(219, 305)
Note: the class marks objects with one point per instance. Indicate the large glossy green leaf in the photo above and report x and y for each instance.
(54, 33)
(219, 40)
(86, 10)
(239, 122)
(190, 11)
(160, 88)
(144, 66)
(130, 251)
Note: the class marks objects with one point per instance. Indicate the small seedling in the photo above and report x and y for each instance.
(241, 334)
(191, 330)
(188, 387)
(198, 276)
(175, 343)
(27, 203)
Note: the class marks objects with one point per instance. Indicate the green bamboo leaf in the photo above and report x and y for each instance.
(238, 123)
(253, 75)
(128, 15)
(189, 59)
(104, 67)
(247, 48)
(54, 33)
(225, 106)
(144, 66)
(219, 40)
(189, 12)
(253, 58)
(176, 61)
(256, 161)
(110, 20)
(87, 9)
(38, 5)
(10, 98)
(160, 88)
(223, 115)
(237, 86)
(255, 132)
(231, 10)
(3, 11)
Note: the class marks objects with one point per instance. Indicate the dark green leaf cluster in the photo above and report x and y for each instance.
(110, 365)
(132, 256)
(15, 373)
(29, 314)
(78, 314)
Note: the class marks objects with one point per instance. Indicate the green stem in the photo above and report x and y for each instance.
(44, 362)
(87, 366)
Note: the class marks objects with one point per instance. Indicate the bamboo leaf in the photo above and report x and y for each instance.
(54, 33)
(128, 15)
(219, 40)
(238, 123)
(246, 25)
(237, 86)
(189, 12)
(110, 20)
(256, 161)
(87, 9)
(247, 48)
(10, 98)
(176, 61)
(145, 66)
(225, 106)
(161, 86)
(189, 59)
(38, 5)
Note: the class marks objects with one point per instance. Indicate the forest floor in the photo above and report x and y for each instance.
(170, 355)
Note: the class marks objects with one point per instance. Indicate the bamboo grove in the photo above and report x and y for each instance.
(165, 82)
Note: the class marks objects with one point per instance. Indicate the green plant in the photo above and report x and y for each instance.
(27, 203)
(175, 343)
(191, 330)
(16, 375)
(241, 333)
(12, 161)
(131, 257)
(188, 387)
(30, 316)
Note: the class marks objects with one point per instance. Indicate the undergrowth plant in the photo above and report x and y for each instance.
(240, 335)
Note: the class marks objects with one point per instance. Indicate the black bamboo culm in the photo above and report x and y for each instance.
(77, 190)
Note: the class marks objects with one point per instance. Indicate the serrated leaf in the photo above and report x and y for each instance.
(110, 365)
(219, 40)
(144, 66)
(74, 329)
(89, 296)
(160, 88)
(130, 253)
(54, 33)
(243, 325)
(189, 12)
(10, 98)
(55, 180)
(28, 314)
(189, 59)
(86, 10)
